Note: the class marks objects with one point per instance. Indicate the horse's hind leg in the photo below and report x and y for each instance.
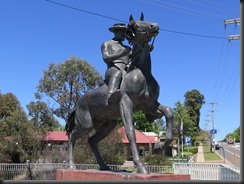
(83, 125)
(169, 116)
(76, 134)
(98, 136)
(126, 110)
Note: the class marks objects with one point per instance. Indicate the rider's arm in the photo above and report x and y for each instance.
(109, 54)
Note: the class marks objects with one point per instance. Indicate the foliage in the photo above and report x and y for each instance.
(8, 103)
(41, 115)
(19, 136)
(235, 134)
(141, 123)
(53, 154)
(182, 118)
(111, 148)
(193, 103)
(191, 149)
(157, 159)
(203, 136)
(65, 82)
(188, 115)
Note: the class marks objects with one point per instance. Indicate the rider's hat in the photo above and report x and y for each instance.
(116, 27)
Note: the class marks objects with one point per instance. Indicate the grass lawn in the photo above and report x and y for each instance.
(208, 155)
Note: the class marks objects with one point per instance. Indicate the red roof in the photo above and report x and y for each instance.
(140, 137)
(56, 136)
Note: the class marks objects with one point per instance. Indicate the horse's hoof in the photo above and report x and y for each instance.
(142, 171)
(72, 167)
(105, 168)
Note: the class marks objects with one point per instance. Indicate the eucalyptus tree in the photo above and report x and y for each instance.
(41, 115)
(64, 83)
(193, 104)
(18, 136)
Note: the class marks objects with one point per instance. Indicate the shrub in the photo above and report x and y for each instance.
(157, 160)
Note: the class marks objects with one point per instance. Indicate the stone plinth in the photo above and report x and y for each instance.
(62, 174)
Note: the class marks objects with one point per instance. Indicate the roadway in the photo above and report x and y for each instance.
(230, 153)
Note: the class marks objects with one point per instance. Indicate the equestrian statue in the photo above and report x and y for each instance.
(138, 91)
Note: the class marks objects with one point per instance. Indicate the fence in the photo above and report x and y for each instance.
(208, 171)
(47, 171)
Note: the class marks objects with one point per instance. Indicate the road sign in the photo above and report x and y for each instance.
(213, 131)
(230, 140)
(187, 140)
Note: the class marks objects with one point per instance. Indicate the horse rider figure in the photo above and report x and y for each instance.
(117, 57)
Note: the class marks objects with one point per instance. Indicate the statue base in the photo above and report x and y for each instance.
(93, 175)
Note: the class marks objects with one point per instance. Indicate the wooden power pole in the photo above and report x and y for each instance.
(233, 21)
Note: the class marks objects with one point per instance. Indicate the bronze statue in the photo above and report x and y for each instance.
(139, 91)
(117, 56)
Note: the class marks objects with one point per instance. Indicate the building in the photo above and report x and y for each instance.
(58, 140)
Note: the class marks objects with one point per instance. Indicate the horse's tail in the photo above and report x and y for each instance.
(70, 124)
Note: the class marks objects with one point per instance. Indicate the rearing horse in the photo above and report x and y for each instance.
(139, 91)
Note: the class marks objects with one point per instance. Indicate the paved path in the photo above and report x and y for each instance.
(200, 154)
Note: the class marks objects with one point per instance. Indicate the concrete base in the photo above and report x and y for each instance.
(62, 174)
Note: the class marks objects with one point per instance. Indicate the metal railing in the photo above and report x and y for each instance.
(47, 171)
(208, 171)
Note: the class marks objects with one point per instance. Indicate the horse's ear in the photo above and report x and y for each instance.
(131, 18)
(142, 16)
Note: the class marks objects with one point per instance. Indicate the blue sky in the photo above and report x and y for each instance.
(189, 52)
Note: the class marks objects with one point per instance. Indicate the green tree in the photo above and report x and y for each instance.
(65, 82)
(42, 116)
(235, 134)
(203, 135)
(159, 126)
(181, 117)
(8, 103)
(17, 134)
(141, 123)
(193, 104)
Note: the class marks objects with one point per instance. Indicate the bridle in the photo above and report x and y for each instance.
(130, 32)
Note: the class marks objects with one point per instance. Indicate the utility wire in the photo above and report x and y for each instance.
(78, 9)
(192, 34)
(179, 10)
(96, 14)
(219, 9)
(220, 4)
(184, 8)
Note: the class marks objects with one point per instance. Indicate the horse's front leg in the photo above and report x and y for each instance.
(126, 110)
(71, 143)
(169, 116)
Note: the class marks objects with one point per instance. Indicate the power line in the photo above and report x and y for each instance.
(198, 12)
(219, 9)
(193, 34)
(177, 10)
(218, 4)
(78, 9)
(221, 75)
(108, 17)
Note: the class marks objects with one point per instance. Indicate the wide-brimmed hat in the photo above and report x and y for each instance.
(116, 27)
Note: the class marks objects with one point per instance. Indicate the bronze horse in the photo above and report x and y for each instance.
(139, 91)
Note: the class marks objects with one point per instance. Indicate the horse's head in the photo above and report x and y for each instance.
(141, 31)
